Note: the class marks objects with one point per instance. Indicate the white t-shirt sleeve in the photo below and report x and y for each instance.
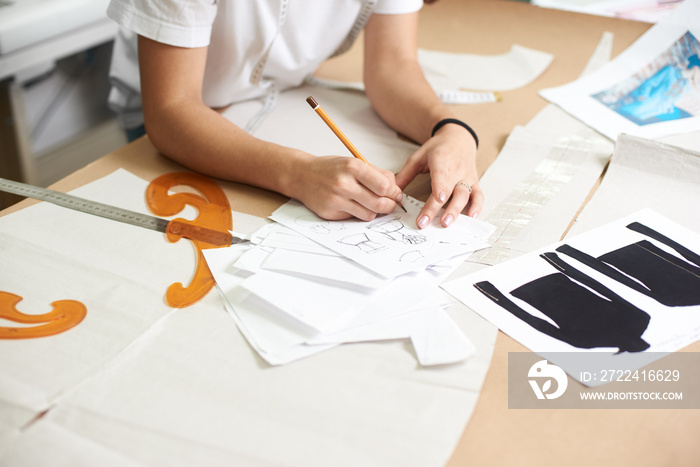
(395, 7)
(181, 23)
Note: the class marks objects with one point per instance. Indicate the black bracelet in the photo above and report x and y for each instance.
(445, 121)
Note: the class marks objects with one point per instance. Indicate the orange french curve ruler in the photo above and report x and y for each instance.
(65, 315)
(106, 211)
(211, 229)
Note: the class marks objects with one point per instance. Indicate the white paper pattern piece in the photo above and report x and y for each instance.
(511, 70)
(624, 287)
(652, 89)
(388, 245)
(450, 73)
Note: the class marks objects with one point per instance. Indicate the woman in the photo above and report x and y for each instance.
(197, 56)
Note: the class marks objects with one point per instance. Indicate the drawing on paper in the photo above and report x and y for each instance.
(393, 229)
(411, 256)
(363, 242)
(319, 226)
(668, 88)
(584, 312)
(379, 245)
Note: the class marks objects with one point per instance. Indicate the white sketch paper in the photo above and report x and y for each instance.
(597, 292)
(323, 268)
(651, 90)
(435, 337)
(388, 245)
(287, 316)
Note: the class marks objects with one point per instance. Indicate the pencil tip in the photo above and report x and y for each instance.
(401, 206)
(312, 102)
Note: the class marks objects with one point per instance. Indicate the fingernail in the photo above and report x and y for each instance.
(441, 197)
(475, 215)
(447, 220)
(423, 221)
(399, 198)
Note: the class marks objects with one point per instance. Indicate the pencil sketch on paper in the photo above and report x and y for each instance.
(363, 242)
(386, 245)
(394, 229)
(411, 256)
(319, 226)
(667, 88)
(391, 233)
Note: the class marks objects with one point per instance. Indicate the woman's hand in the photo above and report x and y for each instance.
(450, 158)
(411, 107)
(337, 187)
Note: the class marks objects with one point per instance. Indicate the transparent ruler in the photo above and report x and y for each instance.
(117, 214)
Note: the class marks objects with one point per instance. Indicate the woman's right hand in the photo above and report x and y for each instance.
(338, 187)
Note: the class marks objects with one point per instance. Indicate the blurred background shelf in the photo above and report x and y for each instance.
(54, 64)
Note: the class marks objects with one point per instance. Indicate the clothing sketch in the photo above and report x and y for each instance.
(587, 314)
(648, 269)
(363, 242)
(394, 229)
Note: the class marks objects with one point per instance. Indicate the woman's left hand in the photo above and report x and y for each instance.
(450, 158)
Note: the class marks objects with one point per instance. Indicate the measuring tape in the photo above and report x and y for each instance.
(446, 96)
(468, 97)
(118, 214)
(359, 25)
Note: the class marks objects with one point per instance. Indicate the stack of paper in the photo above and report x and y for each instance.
(303, 284)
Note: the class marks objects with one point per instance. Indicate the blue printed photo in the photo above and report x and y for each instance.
(668, 88)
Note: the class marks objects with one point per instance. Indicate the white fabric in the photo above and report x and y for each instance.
(140, 384)
(238, 35)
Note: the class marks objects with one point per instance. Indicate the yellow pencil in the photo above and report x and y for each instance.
(341, 136)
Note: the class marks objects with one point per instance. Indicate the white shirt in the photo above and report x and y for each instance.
(295, 36)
